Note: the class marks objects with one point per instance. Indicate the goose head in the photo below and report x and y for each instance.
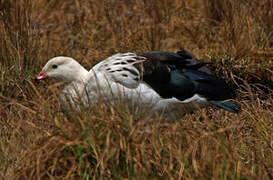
(63, 69)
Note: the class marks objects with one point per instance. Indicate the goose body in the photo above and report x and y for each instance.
(160, 81)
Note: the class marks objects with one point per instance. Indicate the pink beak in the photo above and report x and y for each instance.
(40, 76)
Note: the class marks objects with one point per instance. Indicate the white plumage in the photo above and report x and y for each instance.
(119, 78)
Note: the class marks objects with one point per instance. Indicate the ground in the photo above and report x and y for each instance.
(38, 141)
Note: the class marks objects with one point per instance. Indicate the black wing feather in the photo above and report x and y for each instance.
(180, 75)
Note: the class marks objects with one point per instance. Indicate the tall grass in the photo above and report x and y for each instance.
(37, 141)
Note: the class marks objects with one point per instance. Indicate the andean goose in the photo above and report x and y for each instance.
(158, 80)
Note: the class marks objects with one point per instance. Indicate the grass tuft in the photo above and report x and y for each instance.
(37, 141)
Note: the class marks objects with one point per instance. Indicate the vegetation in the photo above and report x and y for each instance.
(38, 142)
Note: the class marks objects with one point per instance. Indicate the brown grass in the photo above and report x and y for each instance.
(38, 142)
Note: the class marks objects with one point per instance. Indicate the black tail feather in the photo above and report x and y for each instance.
(227, 105)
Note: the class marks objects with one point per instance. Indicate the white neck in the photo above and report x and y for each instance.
(82, 76)
(75, 89)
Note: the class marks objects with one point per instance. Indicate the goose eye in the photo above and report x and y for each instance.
(54, 66)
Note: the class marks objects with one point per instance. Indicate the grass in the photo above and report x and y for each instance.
(38, 142)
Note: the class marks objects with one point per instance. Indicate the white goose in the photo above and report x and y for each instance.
(160, 81)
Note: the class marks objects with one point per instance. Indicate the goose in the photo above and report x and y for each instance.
(155, 80)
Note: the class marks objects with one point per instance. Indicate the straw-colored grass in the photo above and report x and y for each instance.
(37, 141)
